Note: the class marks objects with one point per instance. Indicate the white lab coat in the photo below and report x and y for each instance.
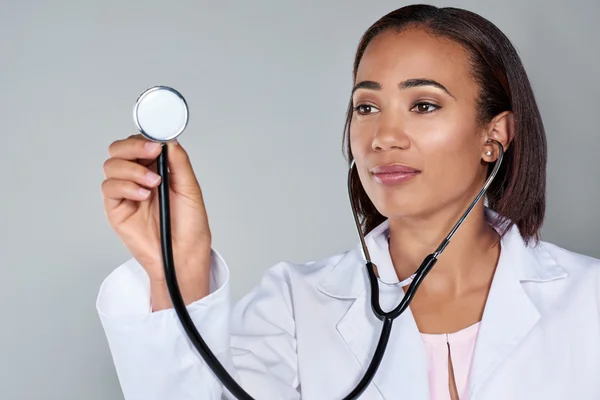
(307, 331)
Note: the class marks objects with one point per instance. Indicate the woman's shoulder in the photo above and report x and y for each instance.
(569, 259)
(581, 271)
(311, 271)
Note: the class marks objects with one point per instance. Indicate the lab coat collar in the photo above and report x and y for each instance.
(347, 278)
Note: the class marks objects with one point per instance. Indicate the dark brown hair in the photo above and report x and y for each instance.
(518, 193)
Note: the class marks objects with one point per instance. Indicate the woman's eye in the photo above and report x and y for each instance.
(365, 109)
(425, 108)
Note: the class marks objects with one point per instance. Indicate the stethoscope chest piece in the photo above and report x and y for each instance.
(161, 114)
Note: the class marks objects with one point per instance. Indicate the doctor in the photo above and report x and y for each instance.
(502, 315)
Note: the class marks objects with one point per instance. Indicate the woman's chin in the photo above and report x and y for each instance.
(402, 209)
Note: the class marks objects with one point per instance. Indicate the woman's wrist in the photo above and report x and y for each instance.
(193, 278)
(193, 282)
(191, 289)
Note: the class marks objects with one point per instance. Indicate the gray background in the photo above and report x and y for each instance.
(267, 83)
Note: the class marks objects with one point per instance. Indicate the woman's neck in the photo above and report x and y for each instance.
(468, 260)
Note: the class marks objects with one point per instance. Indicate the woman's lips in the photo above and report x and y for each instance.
(393, 174)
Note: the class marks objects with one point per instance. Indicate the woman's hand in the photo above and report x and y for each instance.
(130, 193)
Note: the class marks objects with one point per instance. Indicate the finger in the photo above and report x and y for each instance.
(117, 168)
(181, 172)
(150, 163)
(114, 191)
(133, 148)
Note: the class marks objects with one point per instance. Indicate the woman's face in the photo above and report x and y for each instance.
(415, 109)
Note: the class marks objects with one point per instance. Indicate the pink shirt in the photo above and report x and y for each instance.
(461, 345)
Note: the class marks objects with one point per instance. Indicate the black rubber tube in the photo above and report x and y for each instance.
(186, 321)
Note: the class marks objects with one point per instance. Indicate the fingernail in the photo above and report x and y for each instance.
(152, 178)
(152, 146)
(144, 192)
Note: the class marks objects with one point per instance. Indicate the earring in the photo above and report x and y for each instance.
(488, 153)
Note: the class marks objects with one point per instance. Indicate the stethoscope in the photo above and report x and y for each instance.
(161, 115)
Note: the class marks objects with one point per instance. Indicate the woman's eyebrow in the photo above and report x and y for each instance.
(409, 83)
(366, 85)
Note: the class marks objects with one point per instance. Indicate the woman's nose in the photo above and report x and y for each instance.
(389, 134)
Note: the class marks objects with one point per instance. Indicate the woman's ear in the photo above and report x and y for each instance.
(501, 129)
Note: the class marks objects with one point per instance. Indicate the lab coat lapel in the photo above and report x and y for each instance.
(403, 370)
(509, 314)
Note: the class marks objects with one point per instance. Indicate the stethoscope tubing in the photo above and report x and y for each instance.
(387, 317)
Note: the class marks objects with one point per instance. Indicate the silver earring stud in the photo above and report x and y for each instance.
(488, 153)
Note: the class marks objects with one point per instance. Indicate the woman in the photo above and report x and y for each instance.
(502, 315)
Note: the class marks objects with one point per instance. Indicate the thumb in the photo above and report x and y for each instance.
(181, 172)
